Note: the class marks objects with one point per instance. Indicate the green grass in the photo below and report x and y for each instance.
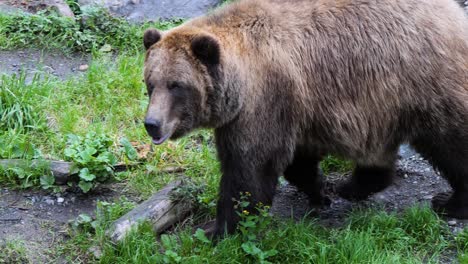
(37, 115)
(13, 252)
(335, 164)
(19, 101)
(369, 236)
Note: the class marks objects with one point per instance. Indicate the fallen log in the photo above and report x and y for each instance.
(63, 171)
(160, 210)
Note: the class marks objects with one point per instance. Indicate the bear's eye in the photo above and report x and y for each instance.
(173, 86)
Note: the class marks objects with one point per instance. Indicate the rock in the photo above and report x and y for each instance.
(49, 201)
(452, 223)
(60, 200)
(61, 7)
(144, 10)
(406, 151)
(427, 197)
(96, 251)
(83, 67)
(9, 9)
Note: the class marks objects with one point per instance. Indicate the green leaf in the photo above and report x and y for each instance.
(106, 48)
(87, 154)
(70, 153)
(86, 175)
(47, 181)
(85, 186)
(103, 158)
(84, 218)
(200, 235)
(248, 223)
(129, 149)
(23, 150)
(270, 253)
(112, 159)
(173, 256)
(250, 248)
(166, 241)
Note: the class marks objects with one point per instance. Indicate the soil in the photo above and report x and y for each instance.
(41, 219)
(31, 6)
(33, 61)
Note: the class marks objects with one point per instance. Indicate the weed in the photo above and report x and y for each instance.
(189, 192)
(335, 164)
(17, 98)
(91, 29)
(250, 225)
(93, 157)
(13, 252)
(17, 146)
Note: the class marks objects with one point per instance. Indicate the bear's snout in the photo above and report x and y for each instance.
(153, 127)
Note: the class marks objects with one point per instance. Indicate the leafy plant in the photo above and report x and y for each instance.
(24, 175)
(128, 149)
(170, 253)
(250, 225)
(91, 29)
(93, 157)
(83, 223)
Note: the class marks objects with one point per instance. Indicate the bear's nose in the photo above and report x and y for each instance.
(153, 127)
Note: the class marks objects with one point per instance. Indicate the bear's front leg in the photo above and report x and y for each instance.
(259, 183)
(245, 170)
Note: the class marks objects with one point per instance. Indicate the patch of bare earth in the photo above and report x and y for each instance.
(40, 219)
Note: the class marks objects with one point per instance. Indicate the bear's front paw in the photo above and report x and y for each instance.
(450, 205)
(353, 192)
(319, 201)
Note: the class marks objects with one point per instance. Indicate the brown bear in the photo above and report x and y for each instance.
(285, 82)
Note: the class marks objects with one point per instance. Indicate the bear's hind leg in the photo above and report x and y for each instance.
(448, 152)
(304, 173)
(365, 181)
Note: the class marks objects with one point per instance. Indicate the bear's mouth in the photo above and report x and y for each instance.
(160, 140)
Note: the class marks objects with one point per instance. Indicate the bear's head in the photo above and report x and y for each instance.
(182, 69)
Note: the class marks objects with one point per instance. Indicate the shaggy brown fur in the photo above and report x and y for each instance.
(285, 82)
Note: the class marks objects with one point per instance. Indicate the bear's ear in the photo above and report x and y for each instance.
(206, 49)
(151, 37)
